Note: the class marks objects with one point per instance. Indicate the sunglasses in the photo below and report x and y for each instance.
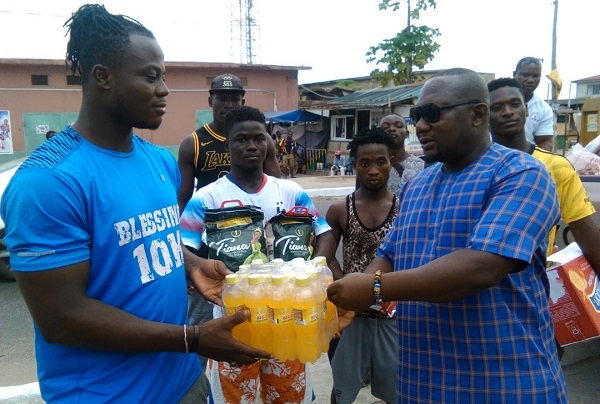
(431, 112)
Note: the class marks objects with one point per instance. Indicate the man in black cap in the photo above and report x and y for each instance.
(203, 159)
(202, 155)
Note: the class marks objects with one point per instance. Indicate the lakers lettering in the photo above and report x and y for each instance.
(214, 160)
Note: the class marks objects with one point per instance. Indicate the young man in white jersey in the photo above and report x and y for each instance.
(246, 141)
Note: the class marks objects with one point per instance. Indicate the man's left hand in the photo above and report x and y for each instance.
(353, 292)
(207, 277)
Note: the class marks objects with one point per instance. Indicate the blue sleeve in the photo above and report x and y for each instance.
(519, 212)
(45, 218)
(192, 221)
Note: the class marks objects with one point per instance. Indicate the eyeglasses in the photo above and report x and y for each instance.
(528, 60)
(431, 112)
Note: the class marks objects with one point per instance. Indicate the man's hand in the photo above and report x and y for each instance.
(217, 342)
(352, 292)
(345, 317)
(207, 275)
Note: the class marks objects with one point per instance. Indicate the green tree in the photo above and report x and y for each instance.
(414, 46)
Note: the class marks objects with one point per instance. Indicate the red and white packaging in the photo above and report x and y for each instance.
(574, 296)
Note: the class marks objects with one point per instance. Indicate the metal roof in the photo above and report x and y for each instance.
(593, 78)
(377, 97)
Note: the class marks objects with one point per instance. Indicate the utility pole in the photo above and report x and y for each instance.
(554, 47)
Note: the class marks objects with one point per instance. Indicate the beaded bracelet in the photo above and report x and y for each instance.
(377, 288)
(194, 346)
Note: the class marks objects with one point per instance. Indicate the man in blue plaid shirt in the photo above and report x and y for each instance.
(465, 259)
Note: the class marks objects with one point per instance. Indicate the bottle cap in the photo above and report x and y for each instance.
(301, 280)
(278, 279)
(232, 279)
(255, 279)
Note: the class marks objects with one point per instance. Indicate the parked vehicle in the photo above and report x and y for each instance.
(7, 170)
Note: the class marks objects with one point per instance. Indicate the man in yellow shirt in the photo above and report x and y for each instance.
(507, 125)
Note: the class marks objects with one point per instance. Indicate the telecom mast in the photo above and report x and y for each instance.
(243, 30)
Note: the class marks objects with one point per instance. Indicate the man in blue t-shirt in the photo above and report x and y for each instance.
(92, 227)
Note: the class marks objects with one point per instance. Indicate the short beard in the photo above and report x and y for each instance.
(123, 114)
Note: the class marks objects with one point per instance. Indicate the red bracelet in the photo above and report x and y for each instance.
(377, 288)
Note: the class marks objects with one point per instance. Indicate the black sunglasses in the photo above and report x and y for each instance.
(430, 112)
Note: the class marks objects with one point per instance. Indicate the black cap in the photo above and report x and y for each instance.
(226, 82)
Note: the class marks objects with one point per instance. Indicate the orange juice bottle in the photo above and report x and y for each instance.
(331, 318)
(321, 295)
(234, 301)
(306, 318)
(257, 301)
(282, 318)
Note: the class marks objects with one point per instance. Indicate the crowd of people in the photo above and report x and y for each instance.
(442, 293)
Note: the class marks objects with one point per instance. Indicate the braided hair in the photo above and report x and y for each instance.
(98, 37)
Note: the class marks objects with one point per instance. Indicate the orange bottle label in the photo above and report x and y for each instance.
(307, 316)
(230, 311)
(281, 315)
(259, 315)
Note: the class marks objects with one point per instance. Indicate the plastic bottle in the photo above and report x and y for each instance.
(257, 301)
(321, 295)
(281, 314)
(306, 321)
(234, 301)
(331, 318)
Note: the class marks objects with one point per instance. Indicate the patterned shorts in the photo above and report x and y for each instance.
(266, 381)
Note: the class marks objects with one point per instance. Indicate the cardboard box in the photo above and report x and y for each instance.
(574, 297)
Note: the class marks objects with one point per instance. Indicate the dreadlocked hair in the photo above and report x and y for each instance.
(98, 37)
(369, 136)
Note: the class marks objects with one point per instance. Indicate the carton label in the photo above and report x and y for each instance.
(574, 301)
(595, 297)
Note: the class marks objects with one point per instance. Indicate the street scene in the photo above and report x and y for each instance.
(18, 381)
(165, 177)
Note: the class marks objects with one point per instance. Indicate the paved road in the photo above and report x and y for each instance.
(581, 362)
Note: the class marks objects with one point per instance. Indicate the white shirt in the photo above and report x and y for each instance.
(540, 119)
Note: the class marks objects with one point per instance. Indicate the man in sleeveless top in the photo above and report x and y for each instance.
(362, 221)
(202, 155)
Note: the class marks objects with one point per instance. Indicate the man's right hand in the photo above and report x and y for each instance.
(345, 317)
(217, 342)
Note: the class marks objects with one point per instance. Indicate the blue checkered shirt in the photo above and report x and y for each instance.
(496, 346)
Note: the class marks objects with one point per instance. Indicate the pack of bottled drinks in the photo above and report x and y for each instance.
(290, 315)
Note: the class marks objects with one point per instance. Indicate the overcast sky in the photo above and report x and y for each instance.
(333, 36)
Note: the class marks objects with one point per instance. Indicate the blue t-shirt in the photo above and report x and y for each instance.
(71, 202)
(496, 345)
